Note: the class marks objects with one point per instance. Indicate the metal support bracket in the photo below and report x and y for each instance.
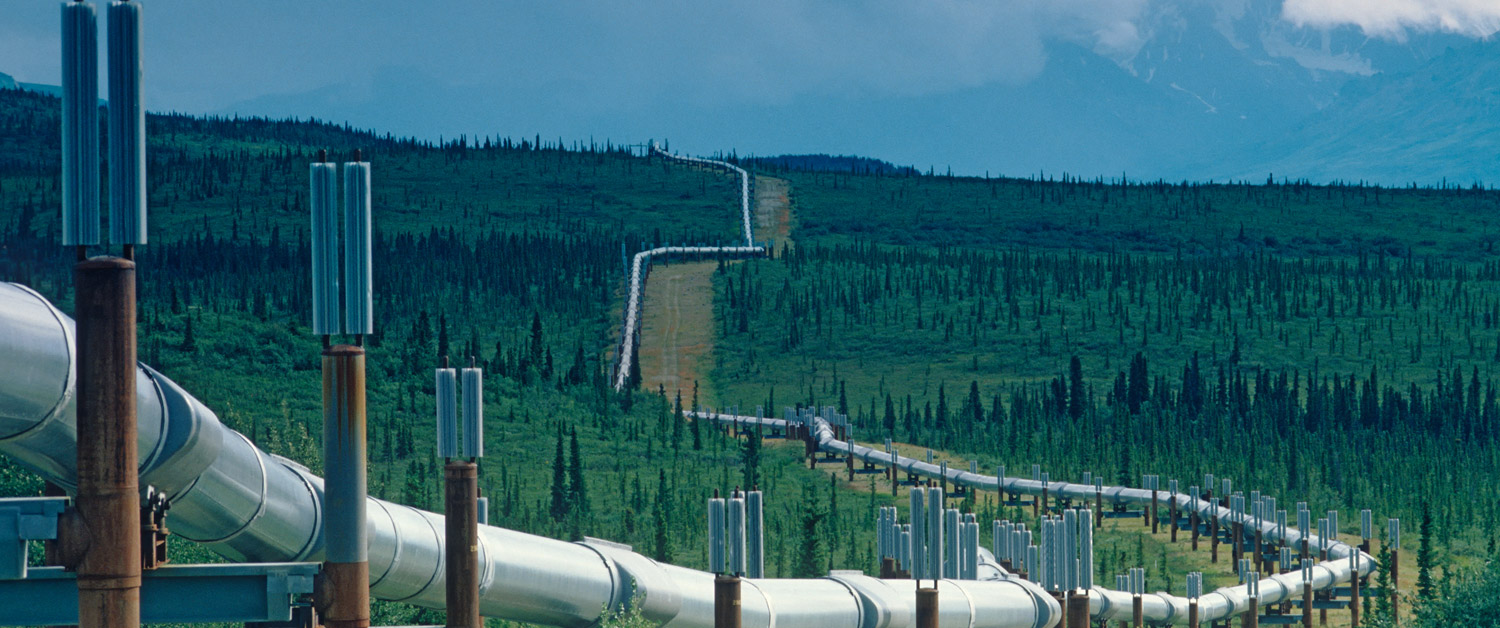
(256, 592)
(22, 520)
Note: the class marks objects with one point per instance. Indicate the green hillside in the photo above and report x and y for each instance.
(511, 253)
(1333, 344)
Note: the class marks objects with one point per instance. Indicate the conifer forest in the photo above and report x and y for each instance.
(1334, 343)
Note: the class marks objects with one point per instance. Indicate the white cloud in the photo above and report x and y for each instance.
(1392, 19)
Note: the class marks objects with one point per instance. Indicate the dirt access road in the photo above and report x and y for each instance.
(677, 321)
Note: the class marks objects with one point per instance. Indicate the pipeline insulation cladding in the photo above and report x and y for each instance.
(359, 314)
(473, 406)
(446, 391)
(716, 558)
(323, 200)
(80, 125)
(734, 541)
(127, 127)
(755, 541)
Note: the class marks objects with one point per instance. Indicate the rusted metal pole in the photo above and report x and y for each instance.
(1098, 508)
(1307, 606)
(1213, 539)
(108, 504)
(1193, 523)
(1154, 514)
(1395, 586)
(1172, 511)
(1251, 617)
(1193, 613)
(1078, 609)
(1137, 611)
(887, 568)
(727, 601)
(1237, 550)
(461, 525)
(927, 607)
(1323, 612)
(1354, 600)
(346, 567)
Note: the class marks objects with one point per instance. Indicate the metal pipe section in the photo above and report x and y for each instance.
(461, 543)
(1105, 604)
(108, 502)
(346, 566)
(639, 267)
(249, 505)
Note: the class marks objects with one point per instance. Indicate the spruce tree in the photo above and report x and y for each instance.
(750, 459)
(1426, 587)
(662, 549)
(810, 557)
(578, 498)
(1076, 392)
(677, 421)
(559, 508)
(890, 416)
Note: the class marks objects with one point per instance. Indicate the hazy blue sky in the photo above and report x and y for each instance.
(763, 76)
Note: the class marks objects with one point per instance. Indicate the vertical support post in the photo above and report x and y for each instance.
(1307, 593)
(927, 607)
(755, 534)
(461, 547)
(943, 477)
(346, 568)
(1354, 590)
(1172, 511)
(1137, 611)
(1193, 523)
(108, 503)
(726, 601)
(1251, 617)
(1193, 613)
(1098, 506)
(1213, 539)
(1237, 536)
(1078, 609)
(1394, 539)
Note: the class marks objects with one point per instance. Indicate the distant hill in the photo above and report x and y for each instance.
(832, 163)
(1433, 124)
(9, 82)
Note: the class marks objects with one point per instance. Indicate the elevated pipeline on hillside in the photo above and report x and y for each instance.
(249, 505)
(640, 263)
(1108, 604)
